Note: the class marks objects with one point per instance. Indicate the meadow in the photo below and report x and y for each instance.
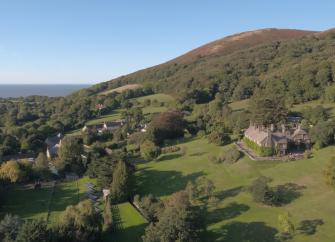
(237, 217)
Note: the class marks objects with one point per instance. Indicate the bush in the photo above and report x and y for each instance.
(149, 206)
(260, 190)
(308, 154)
(170, 149)
(219, 138)
(201, 133)
(183, 150)
(232, 155)
(329, 172)
(261, 151)
(149, 150)
(214, 159)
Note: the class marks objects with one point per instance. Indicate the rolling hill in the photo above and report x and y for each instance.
(237, 64)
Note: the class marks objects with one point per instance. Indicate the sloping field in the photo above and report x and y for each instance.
(122, 89)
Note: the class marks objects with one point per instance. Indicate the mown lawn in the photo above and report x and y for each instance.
(129, 224)
(26, 202)
(115, 115)
(67, 193)
(237, 217)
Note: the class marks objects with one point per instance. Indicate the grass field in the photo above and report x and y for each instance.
(116, 114)
(27, 202)
(67, 193)
(160, 97)
(129, 224)
(237, 217)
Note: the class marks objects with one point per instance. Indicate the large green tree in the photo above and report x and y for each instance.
(267, 107)
(121, 184)
(70, 155)
(9, 227)
(177, 221)
(33, 231)
(79, 223)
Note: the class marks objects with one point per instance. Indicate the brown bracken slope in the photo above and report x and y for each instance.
(229, 44)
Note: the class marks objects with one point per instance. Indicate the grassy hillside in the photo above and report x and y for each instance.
(237, 217)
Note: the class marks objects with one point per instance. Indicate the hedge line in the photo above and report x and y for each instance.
(261, 151)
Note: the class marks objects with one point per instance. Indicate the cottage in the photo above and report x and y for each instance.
(53, 144)
(277, 140)
(106, 126)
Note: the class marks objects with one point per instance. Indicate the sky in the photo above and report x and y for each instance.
(90, 41)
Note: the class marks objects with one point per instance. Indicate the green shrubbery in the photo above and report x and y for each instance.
(261, 151)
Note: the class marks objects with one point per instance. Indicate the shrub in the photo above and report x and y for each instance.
(329, 172)
(183, 150)
(214, 159)
(218, 138)
(262, 151)
(260, 190)
(149, 206)
(170, 149)
(308, 154)
(232, 155)
(149, 150)
(201, 133)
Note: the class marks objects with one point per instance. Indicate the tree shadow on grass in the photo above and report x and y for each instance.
(240, 231)
(309, 227)
(169, 157)
(25, 201)
(162, 183)
(231, 211)
(287, 193)
(232, 192)
(119, 233)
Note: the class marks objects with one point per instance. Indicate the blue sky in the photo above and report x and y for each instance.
(87, 41)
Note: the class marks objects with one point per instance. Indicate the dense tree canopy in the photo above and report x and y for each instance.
(177, 221)
(80, 223)
(267, 108)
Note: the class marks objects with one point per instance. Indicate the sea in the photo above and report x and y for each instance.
(51, 90)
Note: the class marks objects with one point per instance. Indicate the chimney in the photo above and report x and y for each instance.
(269, 137)
(283, 128)
(272, 127)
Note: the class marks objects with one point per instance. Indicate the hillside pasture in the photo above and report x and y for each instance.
(122, 89)
(329, 106)
(237, 217)
(160, 97)
(113, 116)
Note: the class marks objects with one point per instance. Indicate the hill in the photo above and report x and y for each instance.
(300, 62)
